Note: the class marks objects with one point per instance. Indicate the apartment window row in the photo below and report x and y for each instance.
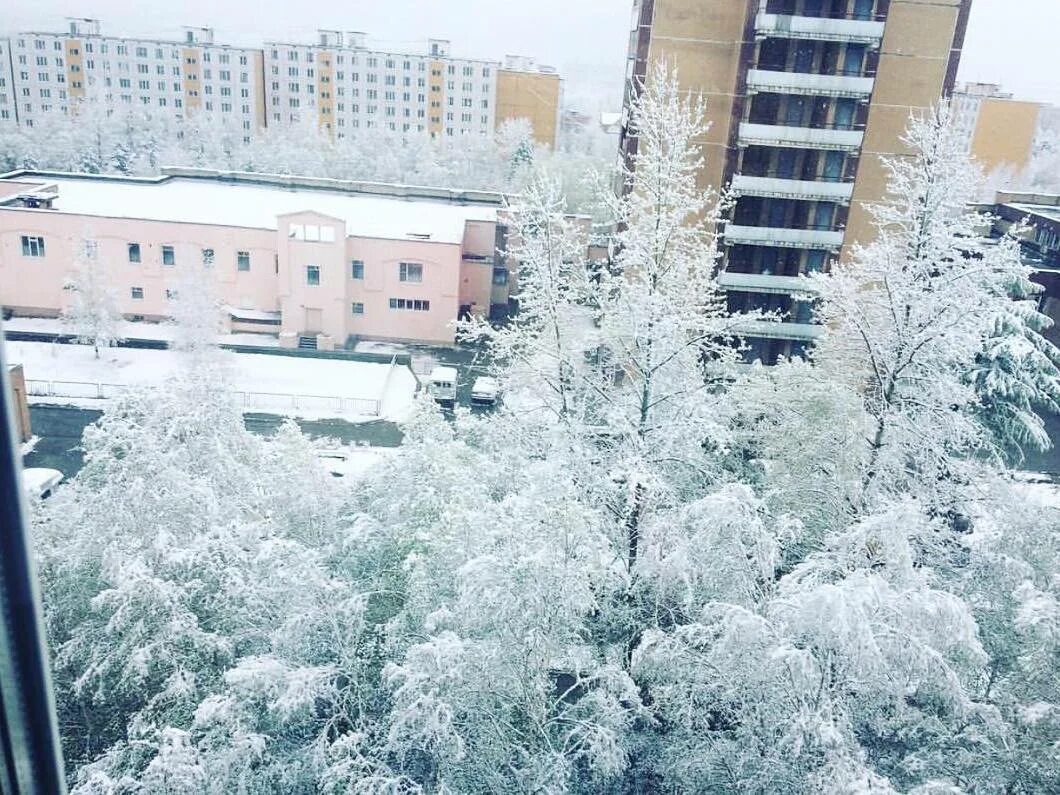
(413, 304)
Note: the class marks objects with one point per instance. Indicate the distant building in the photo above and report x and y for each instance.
(1040, 245)
(526, 90)
(803, 97)
(338, 81)
(48, 73)
(315, 261)
(999, 131)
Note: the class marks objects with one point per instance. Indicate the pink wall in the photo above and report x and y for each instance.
(276, 280)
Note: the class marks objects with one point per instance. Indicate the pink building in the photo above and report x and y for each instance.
(316, 261)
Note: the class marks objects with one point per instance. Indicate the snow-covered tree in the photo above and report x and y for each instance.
(916, 312)
(93, 312)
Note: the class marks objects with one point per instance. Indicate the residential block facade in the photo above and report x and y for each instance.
(339, 82)
(803, 98)
(315, 261)
(999, 130)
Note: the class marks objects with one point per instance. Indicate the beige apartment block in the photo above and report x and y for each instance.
(531, 92)
(803, 100)
(999, 131)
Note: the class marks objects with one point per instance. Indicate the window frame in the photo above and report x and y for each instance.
(32, 245)
(406, 268)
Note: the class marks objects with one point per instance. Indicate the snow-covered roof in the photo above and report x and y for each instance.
(246, 204)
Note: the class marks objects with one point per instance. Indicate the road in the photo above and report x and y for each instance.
(59, 429)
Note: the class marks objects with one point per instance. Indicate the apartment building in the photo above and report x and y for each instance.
(53, 72)
(315, 261)
(803, 98)
(347, 87)
(998, 129)
(338, 82)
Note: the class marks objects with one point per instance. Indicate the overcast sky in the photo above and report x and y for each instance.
(1013, 42)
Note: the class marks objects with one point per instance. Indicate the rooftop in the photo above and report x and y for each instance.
(393, 212)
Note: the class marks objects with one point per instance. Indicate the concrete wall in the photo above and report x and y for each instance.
(914, 61)
(704, 41)
(1004, 134)
(533, 96)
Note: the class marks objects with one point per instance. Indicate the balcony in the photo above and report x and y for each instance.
(765, 283)
(809, 84)
(802, 189)
(786, 26)
(782, 237)
(772, 329)
(799, 137)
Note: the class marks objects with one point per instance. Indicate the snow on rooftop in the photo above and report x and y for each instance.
(213, 202)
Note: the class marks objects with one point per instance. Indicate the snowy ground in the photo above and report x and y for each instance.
(292, 386)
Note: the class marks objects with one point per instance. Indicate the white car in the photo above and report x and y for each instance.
(442, 385)
(39, 482)
(485, 391)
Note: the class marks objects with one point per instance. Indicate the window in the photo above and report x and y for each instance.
(414, 304)
(32, 246)
(358, 308)
(356, 269)
(410, 272)
(243, 260)
(207, 256)
(168, 257)
(90, 249)
(312, 275)
(500, 276)
(138, 293)
(134, 252)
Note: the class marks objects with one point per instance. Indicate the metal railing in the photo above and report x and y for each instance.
(249, 401)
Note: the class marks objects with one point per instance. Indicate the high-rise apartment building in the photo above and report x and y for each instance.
(53, 72)
(803, 98)
(346, 86)
(338, 82)
(999, 130)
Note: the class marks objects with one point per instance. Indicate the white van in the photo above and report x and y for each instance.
(442, 385)
(39, 483)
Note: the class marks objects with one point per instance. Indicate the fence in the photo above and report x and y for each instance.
(266, 402)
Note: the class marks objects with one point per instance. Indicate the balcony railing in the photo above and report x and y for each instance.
(782, 237)
(809, 84)
(799, 137)
(803, 189)
(855, 31)
(765, 283)
(784, 331)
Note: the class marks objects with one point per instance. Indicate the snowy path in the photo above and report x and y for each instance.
(298, 387)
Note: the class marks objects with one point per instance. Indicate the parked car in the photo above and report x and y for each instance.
(442, 385)
(485, 391)
(39, 482)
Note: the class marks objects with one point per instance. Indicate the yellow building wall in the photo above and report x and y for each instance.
(702, 40)
(75, 71)
(191, 58)
(914, 56)
(1004, 134)
(325, 98)
(259, 88)
(436, 99)
(532, 96)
